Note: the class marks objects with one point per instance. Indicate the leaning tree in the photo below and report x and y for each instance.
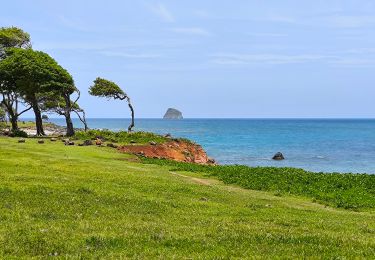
(37, 76)
(11, 37)
(58, 105)
(109, 89)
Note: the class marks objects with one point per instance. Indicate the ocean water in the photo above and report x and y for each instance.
(320, 145)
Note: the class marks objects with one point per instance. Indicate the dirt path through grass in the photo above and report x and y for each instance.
(205, 182)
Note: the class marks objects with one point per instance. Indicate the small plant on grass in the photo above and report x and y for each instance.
(18, 133)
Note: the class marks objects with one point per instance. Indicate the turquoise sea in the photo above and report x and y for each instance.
(321, 145)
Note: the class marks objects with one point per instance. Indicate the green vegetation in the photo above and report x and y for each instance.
(93, 202)
(24, 124)
(34, 79)
(18, 133)
(2, 115)
(349, 191)
(108, 89)
(121, 137)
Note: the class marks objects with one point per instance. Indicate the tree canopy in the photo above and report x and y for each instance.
(13, 37)
(35, 71)
(36, 76)
(106, 88)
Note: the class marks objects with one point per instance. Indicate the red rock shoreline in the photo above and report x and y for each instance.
(177, 150)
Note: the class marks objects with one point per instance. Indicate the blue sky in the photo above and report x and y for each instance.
(242, 58)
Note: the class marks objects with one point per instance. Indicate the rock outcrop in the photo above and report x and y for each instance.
(177, 150)
(278, 156)
(173, 113)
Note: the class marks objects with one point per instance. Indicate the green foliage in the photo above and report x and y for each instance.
(121, 136)
(106, 88)
(2, 114)
(349, 191)
(35, 72)
(13, 37)
(18, 133)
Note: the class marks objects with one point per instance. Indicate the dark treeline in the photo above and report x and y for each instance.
(33, 80)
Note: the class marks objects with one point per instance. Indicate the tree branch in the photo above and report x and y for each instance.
(24, 111)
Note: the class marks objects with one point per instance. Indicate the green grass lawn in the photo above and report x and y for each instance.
(87, 202)
(24, 124)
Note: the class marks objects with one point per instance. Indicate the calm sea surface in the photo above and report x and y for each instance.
(327, 145)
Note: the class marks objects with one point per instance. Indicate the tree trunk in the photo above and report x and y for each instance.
(13, 118)
(13, 121)
(68, 119)
(69, 125)
(132, 114)
(38, 119)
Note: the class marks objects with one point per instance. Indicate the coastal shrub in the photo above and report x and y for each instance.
(121, 136)
(342, 190)
(18, 133)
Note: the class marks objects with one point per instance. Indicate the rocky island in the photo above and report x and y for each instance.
(173, 113)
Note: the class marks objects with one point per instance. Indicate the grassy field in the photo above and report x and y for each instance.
(93, 202)
(25, 124)
(349, 191)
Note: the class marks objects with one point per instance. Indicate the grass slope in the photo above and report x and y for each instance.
(349, 191)
(87, 202)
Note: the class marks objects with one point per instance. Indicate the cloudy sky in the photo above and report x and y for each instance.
(211, 58)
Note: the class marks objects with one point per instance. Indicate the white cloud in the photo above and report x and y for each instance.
(238, 59)
(161, 11)
(348, 21)
(351, 58)
(270, 35)
(354, 62)
(129, 55)
(191, 31)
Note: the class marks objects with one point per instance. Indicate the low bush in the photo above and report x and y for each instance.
(121, 136)
(349, 191)
(18, 133)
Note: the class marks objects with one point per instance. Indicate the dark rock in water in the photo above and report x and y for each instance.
(278, 156)
(211, 160)
(173, 113)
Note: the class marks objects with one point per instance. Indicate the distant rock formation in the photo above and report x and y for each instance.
(173, 113)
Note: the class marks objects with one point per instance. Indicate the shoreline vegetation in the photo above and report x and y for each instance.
(341, 190)
(95, 202)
